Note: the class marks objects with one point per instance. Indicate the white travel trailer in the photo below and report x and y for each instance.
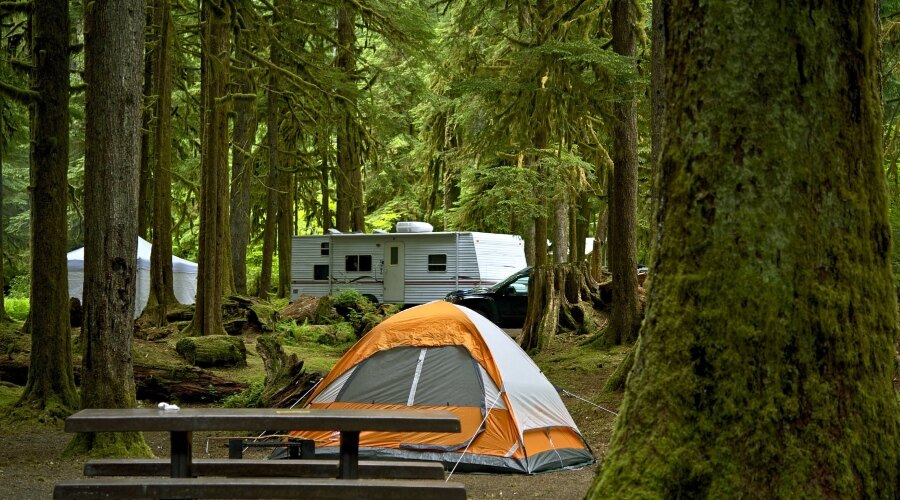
(410, 266)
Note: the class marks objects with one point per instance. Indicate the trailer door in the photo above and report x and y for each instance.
(394, 272)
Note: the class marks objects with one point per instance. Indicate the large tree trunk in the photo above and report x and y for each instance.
(145, 192)
(768, 347)
(559, 296)
(114, 50)
(625, 317)
(214, 253)
(162, 292)
(350, 211)
(285, 230)
(272, 124)
(51, 384)
(324, 172)
(4, 317)
(561, 230)
(244, 132)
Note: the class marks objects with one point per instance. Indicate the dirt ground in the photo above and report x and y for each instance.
(31, 463)
(31, 459)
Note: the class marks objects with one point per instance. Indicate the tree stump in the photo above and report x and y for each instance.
(285, 379)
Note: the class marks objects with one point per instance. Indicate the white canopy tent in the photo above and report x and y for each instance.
(184, 276)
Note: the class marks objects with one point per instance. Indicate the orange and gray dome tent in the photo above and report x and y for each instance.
(443, 356)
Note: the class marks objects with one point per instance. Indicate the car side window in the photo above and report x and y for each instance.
(521, 286)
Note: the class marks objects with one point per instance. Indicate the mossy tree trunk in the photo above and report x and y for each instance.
(162, 292)
(114, 50)
(243, 134)
(625, 316)
(51, 383)
(285, 230)
(270, 229)
(554, 292)
(4, 317)
(764, 366)
(213, 265)
(350, 213)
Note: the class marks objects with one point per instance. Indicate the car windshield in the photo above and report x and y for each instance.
(510, 280)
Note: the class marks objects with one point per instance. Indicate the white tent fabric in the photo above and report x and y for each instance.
(532, 398)
(184, 276)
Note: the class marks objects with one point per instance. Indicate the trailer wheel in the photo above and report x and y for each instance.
(371, 298)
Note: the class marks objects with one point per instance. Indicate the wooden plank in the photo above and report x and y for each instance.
(368, 469)
(252, 488)
(258, 419)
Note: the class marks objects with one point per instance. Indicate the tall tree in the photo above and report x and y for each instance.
(162, 292)
(243, 135)
(51, 380)
(625, 316)
(114, 55)
(764, 366)
(273, 132)
(213, 266)
(350, 213)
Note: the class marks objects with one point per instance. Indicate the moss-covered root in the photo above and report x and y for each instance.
(109, 445)
(616, 381)
(51, 410)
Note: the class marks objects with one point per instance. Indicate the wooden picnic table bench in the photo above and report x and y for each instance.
(180, 424)
(254, 488)
(368, 469)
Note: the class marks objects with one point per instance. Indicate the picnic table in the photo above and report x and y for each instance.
(182, 423)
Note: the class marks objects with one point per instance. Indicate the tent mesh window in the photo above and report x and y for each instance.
(415, 376)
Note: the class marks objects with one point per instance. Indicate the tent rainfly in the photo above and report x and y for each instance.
(184, 276)
(443, 356)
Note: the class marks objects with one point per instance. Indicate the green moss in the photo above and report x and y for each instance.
(109, 445)
(9, 394)
(213, 350)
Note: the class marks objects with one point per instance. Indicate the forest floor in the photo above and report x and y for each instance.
(31, 455)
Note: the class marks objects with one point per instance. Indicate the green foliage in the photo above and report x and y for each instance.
(248, 398)
(16, 308)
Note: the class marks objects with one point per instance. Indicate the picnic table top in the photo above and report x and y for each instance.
(259, 419)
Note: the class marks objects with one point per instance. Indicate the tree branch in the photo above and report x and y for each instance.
(11, 7)
(18, 94)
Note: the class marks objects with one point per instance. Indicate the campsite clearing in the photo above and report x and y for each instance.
(31, 456)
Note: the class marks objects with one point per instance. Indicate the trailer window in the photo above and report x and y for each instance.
(437, 262)
(320, 272)
(358, 263)
(324, 249)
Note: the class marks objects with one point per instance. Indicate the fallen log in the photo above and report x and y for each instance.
(183, 384)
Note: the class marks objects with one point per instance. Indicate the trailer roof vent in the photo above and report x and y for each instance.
(379, 231)
(414, 227)
(332, 230)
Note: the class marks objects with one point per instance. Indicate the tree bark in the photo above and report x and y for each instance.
(4, 317)
(211, 276)
(561, 230)
(162, 292)
(244, 132)
(114, 55)
(768, 347)
(145, 192)
(285, 230)
(350, 212)
(625, 317)
(51, 383)
(273, 133)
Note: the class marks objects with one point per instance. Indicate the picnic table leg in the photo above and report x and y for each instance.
(180, 452)
(348, 464)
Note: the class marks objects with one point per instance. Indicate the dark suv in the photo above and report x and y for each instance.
(505, 303)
